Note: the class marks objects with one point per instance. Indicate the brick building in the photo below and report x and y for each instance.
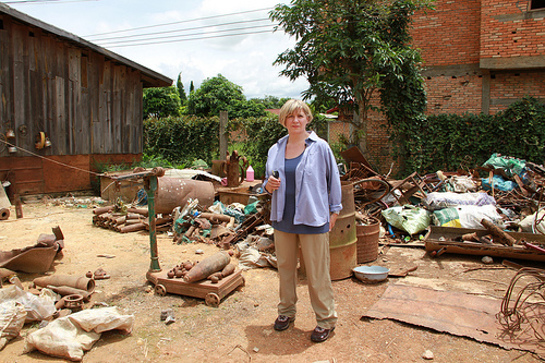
(479, 56)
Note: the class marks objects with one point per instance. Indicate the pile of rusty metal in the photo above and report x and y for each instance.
(220, 229)
(125, 220)
(515, 187)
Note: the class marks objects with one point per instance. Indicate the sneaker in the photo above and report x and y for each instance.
(321, 334)
(283, 322)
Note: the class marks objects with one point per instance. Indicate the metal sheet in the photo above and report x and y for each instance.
(452, 312)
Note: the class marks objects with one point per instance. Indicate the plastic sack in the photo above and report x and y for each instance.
(69, 336)
(499, 184)
(408, 218)
(460, 184)
(251, 208)
(467, 216)
(438, 200)
(511, 165)
(37, 309)
(527, 224)
(12, 319)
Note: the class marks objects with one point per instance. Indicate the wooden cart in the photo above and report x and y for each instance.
(212, 293)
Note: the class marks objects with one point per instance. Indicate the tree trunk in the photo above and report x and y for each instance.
(360, 134)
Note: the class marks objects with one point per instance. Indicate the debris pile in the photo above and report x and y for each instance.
(496, 209)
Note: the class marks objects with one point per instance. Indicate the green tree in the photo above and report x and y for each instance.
(161, 102)
(347, 48)
(191, 88)
(219, 94)
(181, 90)
(214, 95)
(270, 102)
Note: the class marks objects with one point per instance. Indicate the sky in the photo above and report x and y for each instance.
(194, 37)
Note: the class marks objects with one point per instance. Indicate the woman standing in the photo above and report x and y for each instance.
(302, 176)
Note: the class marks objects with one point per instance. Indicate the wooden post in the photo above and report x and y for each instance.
(224, 139)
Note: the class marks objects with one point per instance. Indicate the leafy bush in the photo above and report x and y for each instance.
(451, 142)
(182, 140)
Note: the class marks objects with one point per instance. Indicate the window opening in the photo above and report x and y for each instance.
(537, 4)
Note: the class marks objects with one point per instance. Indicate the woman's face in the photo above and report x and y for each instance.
(296, 122)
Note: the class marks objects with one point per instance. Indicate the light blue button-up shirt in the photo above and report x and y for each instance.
(317, 182)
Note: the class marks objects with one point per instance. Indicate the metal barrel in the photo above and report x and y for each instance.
(368, 236)
(343, 238)
(175, 192)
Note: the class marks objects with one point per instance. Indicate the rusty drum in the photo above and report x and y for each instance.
(175, 192)
(368, 236)
(343, 238)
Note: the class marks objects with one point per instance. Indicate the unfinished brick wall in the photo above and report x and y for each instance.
(454, 94)
(507, 88)
(449, 34)
(479, 56)
(508, 31)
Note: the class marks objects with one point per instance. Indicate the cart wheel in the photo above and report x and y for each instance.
(160, 290)
(212, 299)
(239, 287)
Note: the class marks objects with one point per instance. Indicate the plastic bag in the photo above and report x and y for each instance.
(37, 309)
(527, 224)
(467, 216)
(408, 218)
(511, 165)
(12, 319)
(70, 336)
(499, 184)
(436, 200)
(460, 184)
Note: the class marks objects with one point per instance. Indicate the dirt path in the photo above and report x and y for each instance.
(240, 329)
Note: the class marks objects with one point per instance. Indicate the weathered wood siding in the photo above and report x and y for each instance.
(84, 102)
(86, 99)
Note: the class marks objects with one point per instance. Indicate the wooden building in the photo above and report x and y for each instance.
(66, 106)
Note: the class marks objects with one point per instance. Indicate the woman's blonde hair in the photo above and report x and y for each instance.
(292, 106)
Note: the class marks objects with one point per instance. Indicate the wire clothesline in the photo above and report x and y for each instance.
(51, 160)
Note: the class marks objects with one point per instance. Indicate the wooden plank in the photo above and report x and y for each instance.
(59, 118)
(56, 175)
(95, 67)
(106, 104)
(6, 91)
(117, 90)
(446, 239)
(19, 89)
(24, 173)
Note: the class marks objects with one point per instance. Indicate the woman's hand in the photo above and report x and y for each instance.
(332, 220)
(272, 184)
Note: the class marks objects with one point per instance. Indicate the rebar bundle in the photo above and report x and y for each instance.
(522, 312)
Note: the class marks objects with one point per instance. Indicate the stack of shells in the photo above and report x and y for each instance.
(135, 219)
(179, 271)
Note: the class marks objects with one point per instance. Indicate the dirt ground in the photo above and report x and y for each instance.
(240, 329)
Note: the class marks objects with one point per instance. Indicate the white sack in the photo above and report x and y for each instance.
(440, 200)
(37, 309)
(69, 336)
(527, 224)
(12, 319)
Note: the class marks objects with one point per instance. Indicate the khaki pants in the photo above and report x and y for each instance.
(315, 251)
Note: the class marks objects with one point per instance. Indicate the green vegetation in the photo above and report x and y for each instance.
(350, 49)
(452, 142)
(161, 102)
